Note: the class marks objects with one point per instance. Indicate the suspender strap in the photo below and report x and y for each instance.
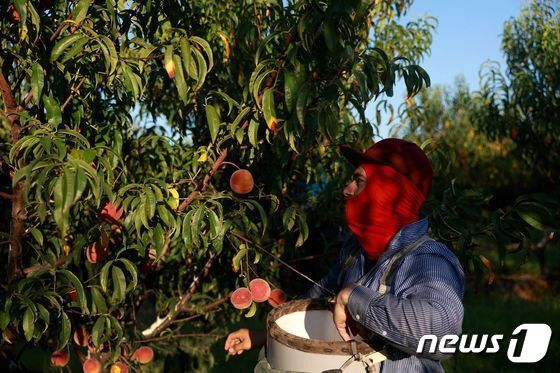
(388, 274)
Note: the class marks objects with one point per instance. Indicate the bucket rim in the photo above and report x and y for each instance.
(305, 344)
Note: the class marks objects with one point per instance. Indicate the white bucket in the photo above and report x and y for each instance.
(302, 337)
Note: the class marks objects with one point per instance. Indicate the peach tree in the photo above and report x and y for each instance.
(122, 124)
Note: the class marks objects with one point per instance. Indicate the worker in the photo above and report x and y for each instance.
(393, 282)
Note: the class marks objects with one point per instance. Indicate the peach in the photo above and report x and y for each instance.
(260, 290)
(81, 336)
(72, 294)
(277, 297)
(119, 367)
(241, 181)
(143, 355)
(241, 298)
(60, 358)
(96, 252)
(92, 366)
(13, 14)
(111, 213)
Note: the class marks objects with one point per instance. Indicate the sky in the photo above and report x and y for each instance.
(468, 34)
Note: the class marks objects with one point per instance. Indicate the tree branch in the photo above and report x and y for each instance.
(72, 92)
(161, 324)
(37, 267)
(17, 226)
(201, 187)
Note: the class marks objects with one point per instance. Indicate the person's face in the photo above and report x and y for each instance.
(356, 184)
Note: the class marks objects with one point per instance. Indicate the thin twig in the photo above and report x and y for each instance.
(204, 184)
(61, 28)
(162, 324)
(243, 238)
(170, 336)
(37, 267)
(72, 92)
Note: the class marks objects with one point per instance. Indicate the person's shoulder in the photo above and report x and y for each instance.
(438, 250)
(350, 246)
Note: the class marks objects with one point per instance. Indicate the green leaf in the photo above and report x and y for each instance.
(98, 300)
(242, 114)
(159, 239)
(215, 224)
(290, 89)
(239, 135)
(119, 284)
(150, 203)
(253, 132)
(37, 82)
(202, 68)
(213, 120)
(187, 229)
(269, 109)
(113, 55)
(186, 56)
(197, 223)
(289, 218)
(239, 257)
(180, 81)
(537, 216)
(64, 43)
(28, 323)
(131, 268)
(54, 114)
(252, 311)
(65, 329)
(81, 10)
(206, 47)
(165, 215)
(79, 288)
(104, 275)
(75, 49)
(329, 35)
(303, 231)
(98, 331)
(4, 319)
(302, 104)
(37, 235)
(43, 315)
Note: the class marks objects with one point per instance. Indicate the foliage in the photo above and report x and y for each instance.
(495, 185)
(112, 223)
(523, 102)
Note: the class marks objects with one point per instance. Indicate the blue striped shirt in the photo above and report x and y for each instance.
(425, 297)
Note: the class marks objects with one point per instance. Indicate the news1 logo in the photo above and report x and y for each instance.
(528, 343)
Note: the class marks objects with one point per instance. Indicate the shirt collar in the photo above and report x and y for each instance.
(408, 234)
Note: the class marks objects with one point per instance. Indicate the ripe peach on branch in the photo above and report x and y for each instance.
(92, 366)
(143, 355)
(60, 358)
(111, 213)
(241, 182)
(119, 367)
(260, 290)
(81, 336)
(277, 297)
(241, 298)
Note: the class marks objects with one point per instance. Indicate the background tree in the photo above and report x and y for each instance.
(490, 146)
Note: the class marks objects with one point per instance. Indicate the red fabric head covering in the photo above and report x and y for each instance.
(399, 177)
